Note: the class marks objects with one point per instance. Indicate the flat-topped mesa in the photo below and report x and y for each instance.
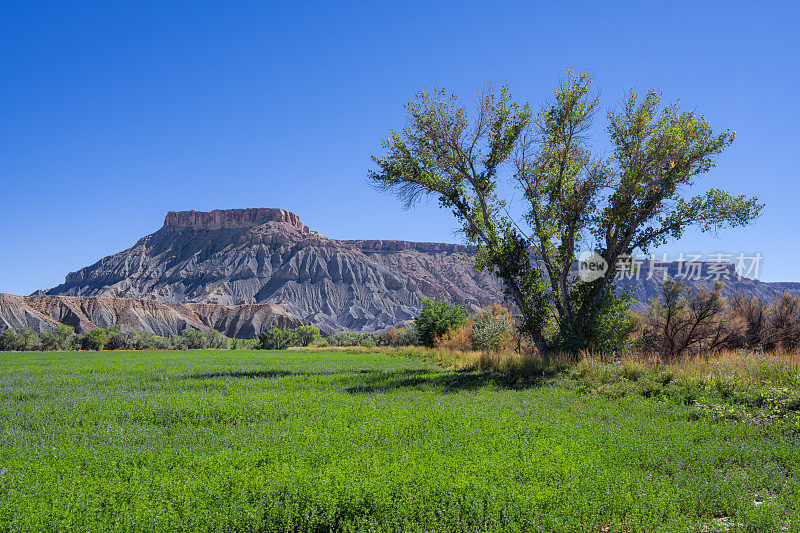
(391, 246)
(233, 218)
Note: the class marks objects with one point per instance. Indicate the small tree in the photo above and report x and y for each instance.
(58, 338)
(96, 339)
(436, 319)
(120, 338)
(194, 339)
(216, 340)
(11, 341)
(31, 341)
(307, 335)
(492, 328)
(782, 328)
(277, 339)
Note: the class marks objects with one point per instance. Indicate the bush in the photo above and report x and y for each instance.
(436, 319)
(144, 340)
(459, 339)
(216, 340)
(608, 332)
(11, 341)
(353, 338)
(492, 328)
(31, 341)
(398, 337)
(94, 340)
(194, 339)
(782, 328)
(277, 339)
(307, 335)
(120, 339)
(58, 338)
(682, 323)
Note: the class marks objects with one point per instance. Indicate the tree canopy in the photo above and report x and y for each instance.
(572, 197)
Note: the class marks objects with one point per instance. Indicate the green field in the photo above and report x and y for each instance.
(287, 441)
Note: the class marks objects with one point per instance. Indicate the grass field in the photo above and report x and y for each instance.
(292, 441)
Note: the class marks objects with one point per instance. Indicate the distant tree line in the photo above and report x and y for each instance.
(63, 337)
(280, 339)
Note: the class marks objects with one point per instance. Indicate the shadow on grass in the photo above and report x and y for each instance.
(449, 382)
(270, 374)
(368, 381)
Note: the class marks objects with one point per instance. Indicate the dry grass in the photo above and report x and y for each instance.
(747, 368)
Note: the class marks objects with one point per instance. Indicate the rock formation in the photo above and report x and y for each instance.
(251, 257)
(40, 312)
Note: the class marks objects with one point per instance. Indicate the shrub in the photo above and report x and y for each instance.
(216, 340)
(194, 339)
(398, 337)
(353, 338)
(749, 318)
(58, 338)
(682, 323)
(120, 339)
(782, 325)
(436, 319)
(307, 335)
(94, 340)
(11, 341)
(144, 340)
(459, 339)
(277, 339)
(606, 332)
(492, 328)
(31, 341)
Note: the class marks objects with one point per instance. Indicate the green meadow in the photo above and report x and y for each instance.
(294, 441)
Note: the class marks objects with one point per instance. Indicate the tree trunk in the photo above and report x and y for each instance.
(544, 352)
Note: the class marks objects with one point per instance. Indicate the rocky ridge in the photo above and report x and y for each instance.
(250, 257)
(41, 312)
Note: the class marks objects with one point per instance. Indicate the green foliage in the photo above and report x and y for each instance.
(194, 339)
(492, 329)
(607, 332)
(635, 200)
(58, 338)
(353, 338)
(119, 338)
(144, 340)
(96, 339)
(216, 340)
(31, 341)
(260, 441)
(436, 319)
(277, 339)
(307, 335)
(11, 341)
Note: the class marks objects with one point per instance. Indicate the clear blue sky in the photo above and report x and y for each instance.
(114, 113)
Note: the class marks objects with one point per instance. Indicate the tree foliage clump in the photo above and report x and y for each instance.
(307, 335)
(436, 319)
(492, 328)
(96, 339)
(572, 199)
(277, 339)
(58, 338)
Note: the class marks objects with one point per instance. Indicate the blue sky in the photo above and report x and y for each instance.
(114, 113)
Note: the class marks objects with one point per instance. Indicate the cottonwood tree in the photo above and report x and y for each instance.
(571, 198)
